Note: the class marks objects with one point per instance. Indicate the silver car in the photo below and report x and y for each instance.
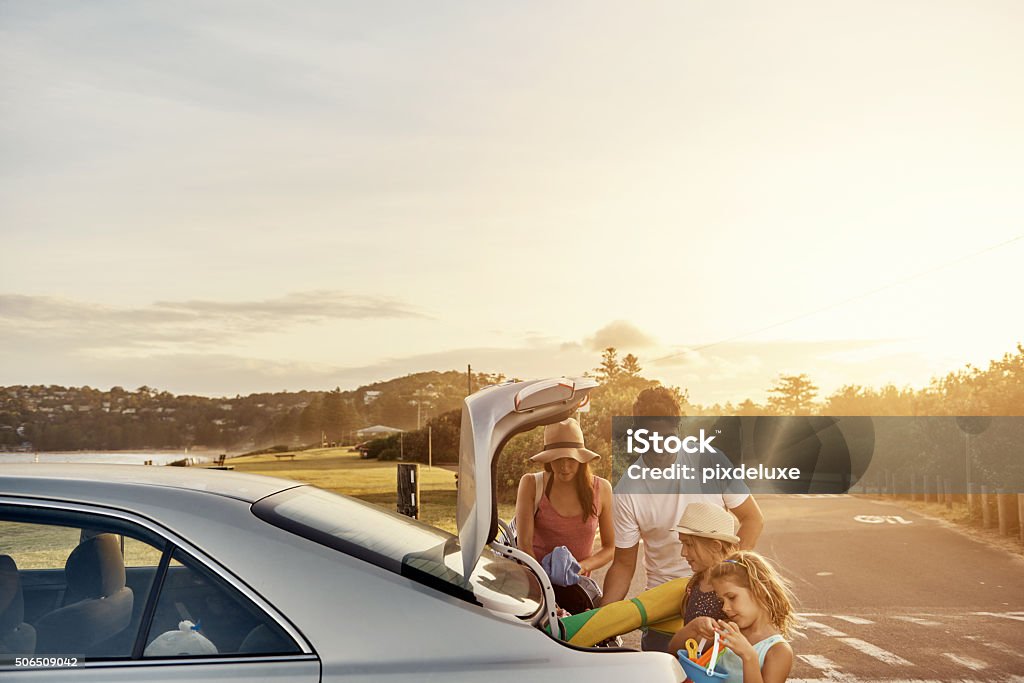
(127, 573)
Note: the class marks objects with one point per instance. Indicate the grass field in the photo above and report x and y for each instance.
(342, 470)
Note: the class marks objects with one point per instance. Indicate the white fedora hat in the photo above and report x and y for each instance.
(708, 521)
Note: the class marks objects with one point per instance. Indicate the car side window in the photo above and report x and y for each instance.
(64, 587)
(199, 614)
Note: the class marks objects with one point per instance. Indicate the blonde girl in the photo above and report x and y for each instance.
(759, 617)
(708, 535)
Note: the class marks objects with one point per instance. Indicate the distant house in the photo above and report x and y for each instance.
(371, 396)
(377, 430)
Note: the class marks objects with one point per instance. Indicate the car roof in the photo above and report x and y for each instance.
(42, 478)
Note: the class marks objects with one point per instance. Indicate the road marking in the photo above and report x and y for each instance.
(878, 653)
(809, 614)
(970, 663)
(1008, 615)
(854, 620)
(818, 661)
(919, 622)
(824, 574)
(825, 630)
(997, 645)
(819, 495)
(881, 519)
(827, 667)
(1012, 679)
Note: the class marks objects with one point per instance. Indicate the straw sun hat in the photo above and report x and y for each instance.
(709, 521)
(564, 440)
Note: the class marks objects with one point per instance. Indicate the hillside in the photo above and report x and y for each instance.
(56, 418)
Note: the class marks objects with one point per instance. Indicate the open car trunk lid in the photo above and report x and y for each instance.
(490, 417)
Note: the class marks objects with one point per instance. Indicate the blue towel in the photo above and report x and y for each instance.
(562, 567)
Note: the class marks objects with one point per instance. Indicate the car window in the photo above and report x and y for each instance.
(198, 614)
(87, 592)
(71, 592)
(402, 545)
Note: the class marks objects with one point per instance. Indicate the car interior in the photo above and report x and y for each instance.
(93, 606)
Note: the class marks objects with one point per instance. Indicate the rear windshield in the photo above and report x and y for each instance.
(402, 545)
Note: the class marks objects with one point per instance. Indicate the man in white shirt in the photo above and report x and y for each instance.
(650, 515)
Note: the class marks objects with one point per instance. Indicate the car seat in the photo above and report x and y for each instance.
(97, 604)
(16, 637)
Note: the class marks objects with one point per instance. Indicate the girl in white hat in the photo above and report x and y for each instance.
(708, 535)
(565, 504)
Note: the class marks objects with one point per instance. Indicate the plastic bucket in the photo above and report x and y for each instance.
(697, 673)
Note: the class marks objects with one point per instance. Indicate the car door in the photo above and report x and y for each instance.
(108, 597)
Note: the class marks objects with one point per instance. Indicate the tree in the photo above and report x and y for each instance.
(631, 366)
(337, 415)
(610, 369)
(311, 420)
(792, 395)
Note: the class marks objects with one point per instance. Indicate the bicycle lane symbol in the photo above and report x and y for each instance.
(881, 519)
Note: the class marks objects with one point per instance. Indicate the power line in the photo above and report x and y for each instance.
(843, 302)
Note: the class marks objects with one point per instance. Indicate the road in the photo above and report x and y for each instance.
(886, 594)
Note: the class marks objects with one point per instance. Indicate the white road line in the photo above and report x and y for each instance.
(1012, 679)
(827, 667)
(874, 651)
(997, 645)
(854, 620)
(918, 621)
(825, 630)
(809, 614)
(818, 661)
(1016, 616)
(969, 662)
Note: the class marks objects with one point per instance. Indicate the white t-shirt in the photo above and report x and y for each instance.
(651, 516)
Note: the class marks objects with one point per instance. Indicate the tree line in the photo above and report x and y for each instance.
(61, 418)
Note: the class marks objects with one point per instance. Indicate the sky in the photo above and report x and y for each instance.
(228, 197)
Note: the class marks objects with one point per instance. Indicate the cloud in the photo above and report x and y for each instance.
(681, 358)
(622, 335)
(302, 306)
(83, 325)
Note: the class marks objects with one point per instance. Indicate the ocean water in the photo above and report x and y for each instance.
(117, 457)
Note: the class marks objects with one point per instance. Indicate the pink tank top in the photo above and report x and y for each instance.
(551, 529)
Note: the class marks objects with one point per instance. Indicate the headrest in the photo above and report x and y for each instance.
(95, 569)
(12, 603)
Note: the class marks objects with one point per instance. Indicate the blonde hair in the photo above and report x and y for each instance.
(715, 547)
(772, 592)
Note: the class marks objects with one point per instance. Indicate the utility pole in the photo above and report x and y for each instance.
(430, 447)
(469, 379)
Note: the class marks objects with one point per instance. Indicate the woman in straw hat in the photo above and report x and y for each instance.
(565, 504)
(708, 535)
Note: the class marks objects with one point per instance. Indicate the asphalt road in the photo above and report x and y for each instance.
(888, 595)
